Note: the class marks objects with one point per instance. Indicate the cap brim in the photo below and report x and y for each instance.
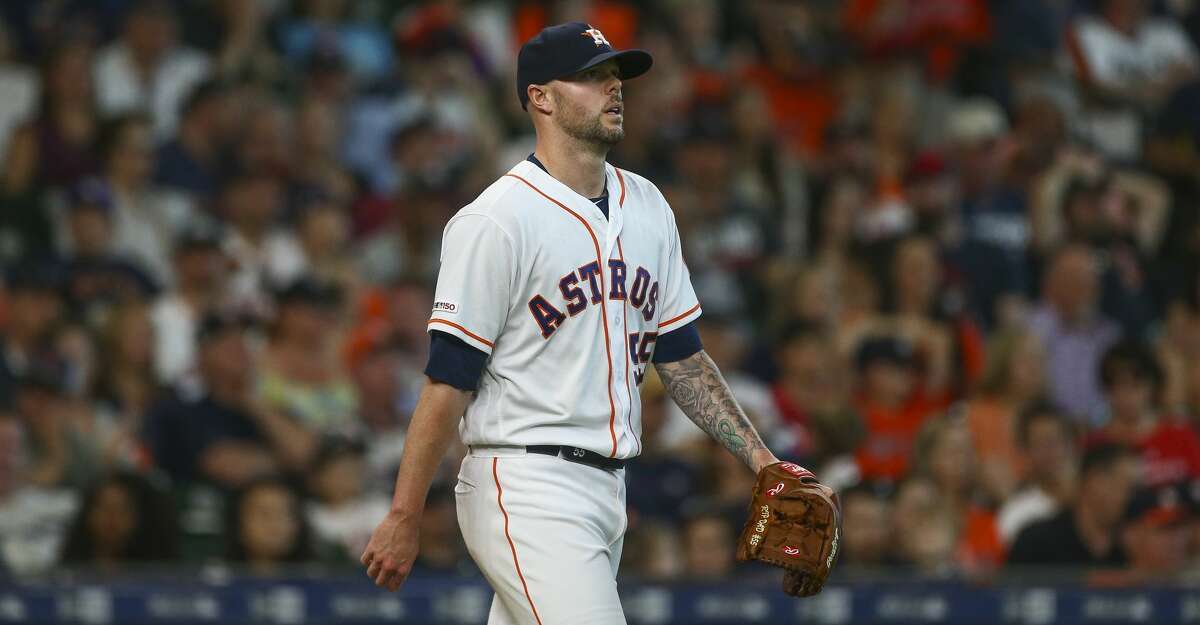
(632, 62)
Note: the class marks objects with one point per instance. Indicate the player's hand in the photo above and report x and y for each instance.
(390, 553)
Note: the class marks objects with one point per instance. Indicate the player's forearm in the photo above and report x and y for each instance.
(433, 427)
(696, 385)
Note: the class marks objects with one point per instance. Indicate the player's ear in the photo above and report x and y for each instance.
(539, 98)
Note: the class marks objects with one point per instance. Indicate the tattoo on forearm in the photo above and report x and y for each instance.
(697, 387)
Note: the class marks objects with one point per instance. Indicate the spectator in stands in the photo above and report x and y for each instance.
(943, 454)
(1084, 534)
(323, 232)
(1157, 533)
(63, 453)
(221, 435)
(317, 169)
(722, 481)
(34, 306)
(265, 527)
(1128, 62)
(147, 69)
(409, 241)
(376, 369)
(56, 148)
(264, 254)
(1013, 380)
(124, 519)
(1178, 349)
(98, 276)
(19, 87)
(949, 343)
(265, 145)
(1121, 213)
(652, 552)
(192, 160)
(302, 374)
(658, 480)
(202, 272)
(815, 420)
(441, 550)
(126, 386)
(708, 543)
(991, 254)
(866, 527)
(145, 218)
(931, 546)
(341, 511)
(925, 530)
(33, 520)
(1133, 382)
(893, 404)
(725, 242)
(1074, 332)
(1046, 446)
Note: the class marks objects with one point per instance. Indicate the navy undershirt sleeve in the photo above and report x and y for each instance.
(677, 344)
(453, 362)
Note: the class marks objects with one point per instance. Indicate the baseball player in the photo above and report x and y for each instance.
(559, 285)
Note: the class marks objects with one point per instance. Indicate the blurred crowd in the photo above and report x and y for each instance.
(948, 253)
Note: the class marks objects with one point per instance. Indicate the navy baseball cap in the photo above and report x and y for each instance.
(559, 51)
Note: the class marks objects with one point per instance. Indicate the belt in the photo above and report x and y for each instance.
(578, 454)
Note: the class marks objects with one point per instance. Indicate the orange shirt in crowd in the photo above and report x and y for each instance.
(801, 109)
(979, 546)
(617, 20)
(887, 451)
(940, 28)
(1170, 453)
(992, 424)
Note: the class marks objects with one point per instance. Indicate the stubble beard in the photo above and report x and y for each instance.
(588, 129)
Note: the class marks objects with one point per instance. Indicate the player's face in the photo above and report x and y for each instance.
(589, 106)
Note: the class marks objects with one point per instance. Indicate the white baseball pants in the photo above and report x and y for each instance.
(547, 535)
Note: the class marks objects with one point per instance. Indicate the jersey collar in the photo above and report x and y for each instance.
(550, 185)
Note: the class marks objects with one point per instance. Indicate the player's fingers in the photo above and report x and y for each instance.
(387, 568)
(397, 580)
(366, 558)
(374, 568)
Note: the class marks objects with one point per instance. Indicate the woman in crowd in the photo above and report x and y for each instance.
(265, 527)
(1013, 380)
(125, 519)
(302, 373)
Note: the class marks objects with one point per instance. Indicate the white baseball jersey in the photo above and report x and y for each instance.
(567, 303)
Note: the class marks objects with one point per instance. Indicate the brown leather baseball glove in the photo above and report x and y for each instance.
(794, 524)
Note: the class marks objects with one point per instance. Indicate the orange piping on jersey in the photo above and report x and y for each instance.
(621, 201)
(628, 393)
(513, 547)
(463, 330)
(674, 319)
(612, 406)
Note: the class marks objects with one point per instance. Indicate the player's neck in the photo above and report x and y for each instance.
(580, 167)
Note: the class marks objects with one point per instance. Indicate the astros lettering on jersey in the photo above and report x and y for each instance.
(568, 304)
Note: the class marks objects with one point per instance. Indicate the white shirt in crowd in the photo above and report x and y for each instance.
(1025, 507)
(119, 87)
(1116, 60)
(19, 91)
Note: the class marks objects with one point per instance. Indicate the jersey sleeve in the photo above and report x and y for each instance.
(678, 302)
(475, 281)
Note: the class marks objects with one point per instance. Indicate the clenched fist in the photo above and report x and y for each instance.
(393, 548)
